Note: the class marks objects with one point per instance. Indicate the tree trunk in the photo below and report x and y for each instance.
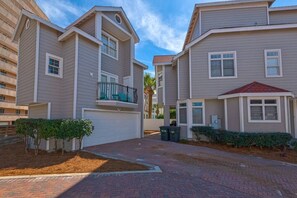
(63, 146)
(150, 93)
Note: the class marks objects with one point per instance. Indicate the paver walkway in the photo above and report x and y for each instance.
(188, 171)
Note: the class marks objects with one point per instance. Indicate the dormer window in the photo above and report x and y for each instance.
(110, 46)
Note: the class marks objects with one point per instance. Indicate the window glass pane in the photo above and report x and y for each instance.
(271, 113)
(216, 68)
(183, 115)
(215, 56)
(228, 56)
(256, 102)
(183, 104)
(112, 44)
(197, 104)
(228, 66)
(197, 116)
(256, 113)
(112, 52)
(270, 101)
(273, 71)
(103, 78)
(272, 62)
(272, 53)
(160, 80)
(105, 39)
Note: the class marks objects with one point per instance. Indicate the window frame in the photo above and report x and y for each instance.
(60, 59)
(278, 105)
(280, 63)
(178, 115)
(109, 37)
(160, 73)
(222, 53)
(198, 107)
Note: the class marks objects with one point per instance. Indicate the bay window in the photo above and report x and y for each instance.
(198, 113)
(182, 113)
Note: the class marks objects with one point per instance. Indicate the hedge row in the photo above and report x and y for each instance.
(53, 129)
(237, 139)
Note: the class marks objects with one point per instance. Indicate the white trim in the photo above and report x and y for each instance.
(110, 75)
(161, 64)
(200, 23)
(189, 119)
(117, 45)
(295, 116)
(190, 71)
(98, 33)
(286, 114)
(226, 113)
(228, 30)
(137, 62)
(75, 76)
(163, 73)
(203, 111)
(233, 6)
(117, 25)
(131, 61)
(279, 114)
(225, 3)
(27, 25)
(99, 64)
(60, 59)
(74, 30)
(241, 114)
(279, 51)
(36, 61)
(142, 116)
(177, 108)
(284, 8)
(268, 15)
(178, 91)
(222, 70)
(270, 94)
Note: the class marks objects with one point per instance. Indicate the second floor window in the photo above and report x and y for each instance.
(110, 46)
(54, 65)
(2, 98)
(160, 79)
(2, 111)
(273, 63)
(222, 65)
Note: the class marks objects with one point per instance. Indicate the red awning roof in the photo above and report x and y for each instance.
(256, 87)
(162, 59)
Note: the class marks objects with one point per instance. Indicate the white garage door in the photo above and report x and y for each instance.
(112, 126)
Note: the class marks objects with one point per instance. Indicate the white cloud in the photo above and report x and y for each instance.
(151, 26)
(60, 11)
(150, 72)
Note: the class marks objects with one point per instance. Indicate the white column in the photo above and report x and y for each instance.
(36, 61)
(189, 119)
(295, 116)
(98, 33)
(178, 92)
(190, 72)
(75, 77)
(286, 113)
(226, 113)
(241, 116)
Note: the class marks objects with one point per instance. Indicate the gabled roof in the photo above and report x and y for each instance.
(74, 30)
(197, 7)
(21, 22)
(107, 9)
(137, 62)
(162, 59)
(256, 87)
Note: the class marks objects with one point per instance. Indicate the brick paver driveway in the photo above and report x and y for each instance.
(188, 171)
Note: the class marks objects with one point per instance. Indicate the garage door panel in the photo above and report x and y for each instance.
(112, 127)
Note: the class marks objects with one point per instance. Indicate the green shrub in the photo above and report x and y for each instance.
(57, 129)
(293, 144)
(239, 139)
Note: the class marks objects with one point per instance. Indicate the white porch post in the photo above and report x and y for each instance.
(189, 119)
(295, 116)
(286, 114)
(226, 113)
(241, 116)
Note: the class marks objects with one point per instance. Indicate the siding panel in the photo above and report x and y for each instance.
(38, 111)
(282, 17)
(233, 114)
(26, 66)
(214, 107)
(170, 85)
(233, 18)
(184, 77)
(89, 26)
(250, 48)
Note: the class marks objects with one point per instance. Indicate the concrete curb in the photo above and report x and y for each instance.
(153, 169)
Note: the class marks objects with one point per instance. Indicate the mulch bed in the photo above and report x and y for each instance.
(273, 154)
(14, 161)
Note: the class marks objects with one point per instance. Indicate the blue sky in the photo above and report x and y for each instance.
(160, 24)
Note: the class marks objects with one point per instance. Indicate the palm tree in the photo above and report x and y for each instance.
(149, 87)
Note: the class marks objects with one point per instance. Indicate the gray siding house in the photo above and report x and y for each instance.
(84, 71)
(237, 69)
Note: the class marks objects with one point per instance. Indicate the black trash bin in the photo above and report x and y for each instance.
(174, 134)
(164, 130)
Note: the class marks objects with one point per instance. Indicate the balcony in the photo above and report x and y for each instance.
(7, 91)
(11, 116)
(116, 95)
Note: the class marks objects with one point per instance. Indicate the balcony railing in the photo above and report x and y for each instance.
(117, 92)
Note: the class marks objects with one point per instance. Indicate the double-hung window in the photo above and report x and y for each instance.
(198, 113)
(110, 46)
(273, 63)
(222, 65)
(182, 113)
(54, 66)
(264, 110)
(160, 79)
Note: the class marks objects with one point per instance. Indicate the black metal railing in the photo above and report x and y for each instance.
(118, 92)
